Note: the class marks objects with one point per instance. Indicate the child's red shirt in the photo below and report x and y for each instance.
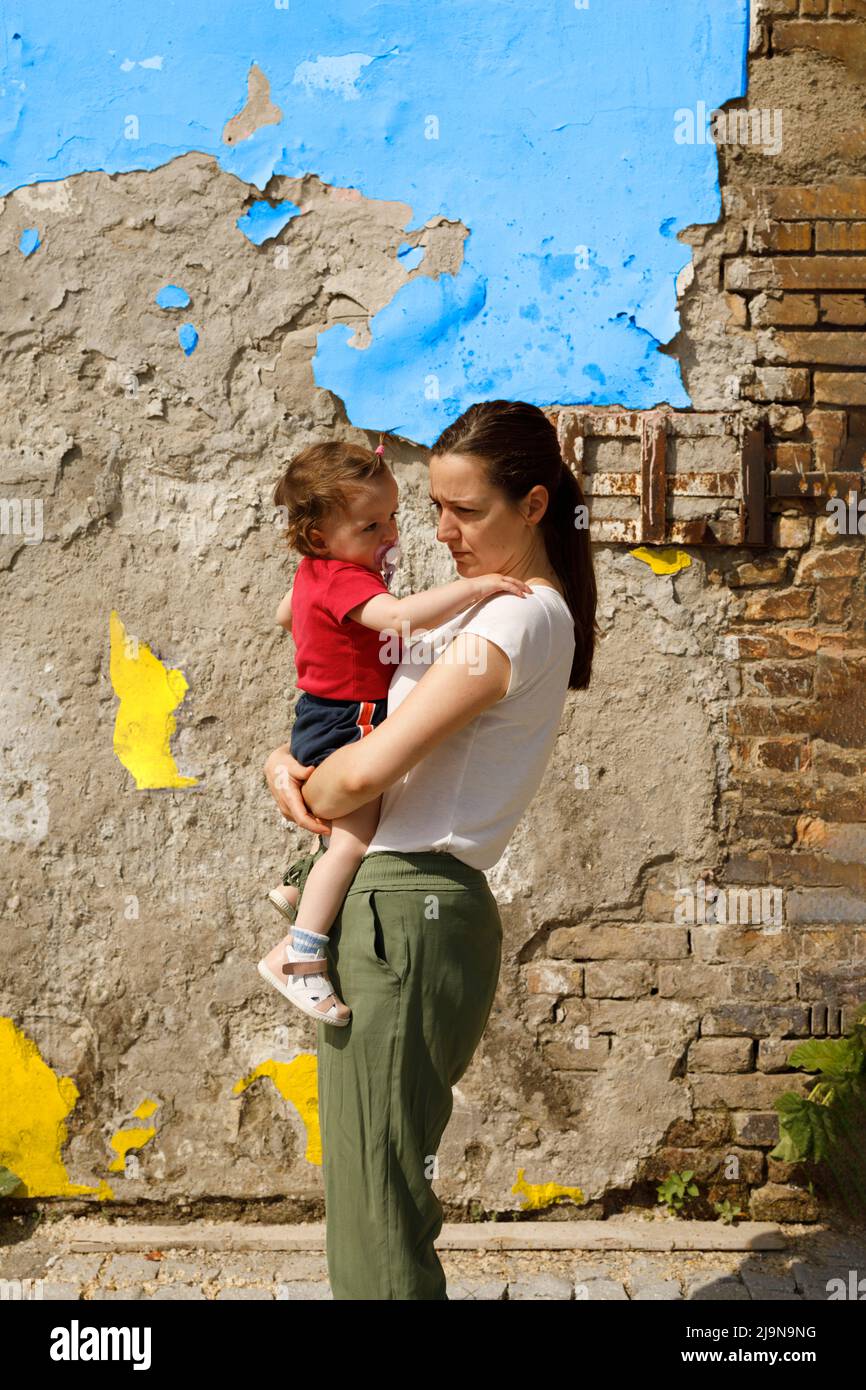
(335, 657)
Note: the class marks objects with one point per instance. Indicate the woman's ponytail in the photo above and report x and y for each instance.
(566, 534)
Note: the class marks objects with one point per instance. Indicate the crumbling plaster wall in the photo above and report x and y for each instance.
(157, 473)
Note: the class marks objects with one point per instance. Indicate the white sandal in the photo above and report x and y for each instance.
(299, 993)
(282, 904)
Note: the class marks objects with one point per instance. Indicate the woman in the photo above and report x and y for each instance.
(473, 713)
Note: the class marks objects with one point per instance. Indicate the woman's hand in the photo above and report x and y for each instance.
(285, 776)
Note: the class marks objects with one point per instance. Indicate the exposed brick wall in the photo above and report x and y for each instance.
(795, 805)
(792, 808)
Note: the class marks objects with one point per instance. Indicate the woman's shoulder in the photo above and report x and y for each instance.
(536, 631)
(545, 607)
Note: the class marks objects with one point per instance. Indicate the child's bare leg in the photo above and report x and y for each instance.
(326, 887)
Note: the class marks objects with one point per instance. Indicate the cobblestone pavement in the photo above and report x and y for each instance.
(796, 1274)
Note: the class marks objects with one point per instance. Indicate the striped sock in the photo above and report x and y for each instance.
(308, 943)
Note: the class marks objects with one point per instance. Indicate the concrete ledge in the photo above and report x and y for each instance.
(628, 1234)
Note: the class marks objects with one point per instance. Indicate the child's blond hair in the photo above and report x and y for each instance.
(319, 480)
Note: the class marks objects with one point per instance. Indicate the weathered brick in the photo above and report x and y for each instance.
(832, 600)
(738, 310)
(773, 1054)
(809, 905)
(778, 605)
(837, 236)
(843, 561)
(836, 349)
(783, 754)
(744, 273)
(706, 1164)
(750, 1091)
(854, 9)
(758, 1127)
(783, 236)
(664, 1022)
(840, 388)
(776, 384)
(786, 419)
(618, 980)
(705, 1127)
(840, 712)
(720, 1054)
(693, 980)
(763, 825)
(769, 570)
(825, 944)
(782, 681)
(553, 977)
(792, 532)
(833, 39)
(766, 644)
(730, 1020)
(770, 309)
(626, 942)
(813, 8)
(792, 458)
(843, 843)
(753, 719)
(843, 309)
(763, 981)
(845, 197)
(829, 431)
(738, 943)
(775, 1202)
(775, 7)
(839, 983)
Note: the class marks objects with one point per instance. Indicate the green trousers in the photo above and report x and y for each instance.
(415, 953)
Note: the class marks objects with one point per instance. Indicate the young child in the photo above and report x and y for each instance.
(341, 505)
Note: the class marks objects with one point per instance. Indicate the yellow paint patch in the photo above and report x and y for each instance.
(144, 725)
(127, 1139)
(545, 1194)
(664, 560)
(35, 1104)
(145, 1110)
(297, 1083)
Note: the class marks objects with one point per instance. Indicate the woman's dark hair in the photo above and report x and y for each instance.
(519, 447)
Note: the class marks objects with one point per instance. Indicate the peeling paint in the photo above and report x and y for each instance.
(125, 1140)
(187, 336)
(566, 170)
(663, 560)
(265, 220)
(172, 297)
(297, 1083)
(539, 1195)
(33, 1131)
(28, 241)
(144, 724)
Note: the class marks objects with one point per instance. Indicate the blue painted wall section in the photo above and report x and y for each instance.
(543, 128)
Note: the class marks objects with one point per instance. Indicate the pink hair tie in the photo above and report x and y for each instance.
(380, 449)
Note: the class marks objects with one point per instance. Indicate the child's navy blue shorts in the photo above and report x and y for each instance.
(321, 725)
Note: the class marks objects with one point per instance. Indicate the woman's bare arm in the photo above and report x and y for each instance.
(469, 676)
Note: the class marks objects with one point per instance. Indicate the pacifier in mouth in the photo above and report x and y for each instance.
(388, 557)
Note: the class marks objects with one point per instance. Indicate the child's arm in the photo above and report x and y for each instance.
(384, 613)
(284, 612)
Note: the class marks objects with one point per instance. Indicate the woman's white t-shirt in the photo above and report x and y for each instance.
(467, 795)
